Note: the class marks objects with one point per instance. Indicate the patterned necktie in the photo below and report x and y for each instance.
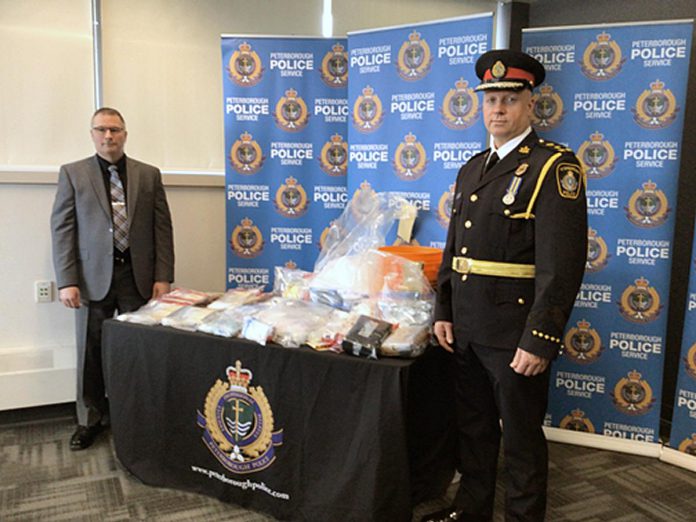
(118, 210)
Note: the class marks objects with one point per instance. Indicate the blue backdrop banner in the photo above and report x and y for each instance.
(683, 436)
(414, 118)
(285, 113)
(616, 95)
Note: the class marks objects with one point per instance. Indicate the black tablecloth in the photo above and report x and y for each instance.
(361, 439)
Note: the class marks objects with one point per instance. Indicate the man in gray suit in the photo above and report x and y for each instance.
(112, 251)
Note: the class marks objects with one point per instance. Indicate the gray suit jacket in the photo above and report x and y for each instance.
(82, 229)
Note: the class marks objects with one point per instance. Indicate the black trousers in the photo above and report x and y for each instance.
(123, 296)
(488, 391)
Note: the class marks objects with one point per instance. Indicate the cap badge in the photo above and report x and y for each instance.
(498, 70)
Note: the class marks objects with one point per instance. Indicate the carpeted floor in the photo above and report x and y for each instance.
(41, 479)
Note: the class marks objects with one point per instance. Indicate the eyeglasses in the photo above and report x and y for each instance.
(104, 130)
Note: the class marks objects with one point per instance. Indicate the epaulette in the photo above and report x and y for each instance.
(554, 146)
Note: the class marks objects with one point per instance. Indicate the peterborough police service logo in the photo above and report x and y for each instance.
(368, 111)
(245, 67)
(334, 156)
(602, 59)
(569, 179)
(640, 303)
(688, 445)
(414, 59)
(444, 207)
(633, 395)
(291, 112)
(690, 362)
(547, 111)
(410, 159)
(577, 421)
(655, 108)
(291, 198)
(647, 206)
(582, 343)
(597, 252)
(246, 155)
(246, 240)
(597, 156)
(334, 67)
(238, 423)
(364, 200)
(460, 108)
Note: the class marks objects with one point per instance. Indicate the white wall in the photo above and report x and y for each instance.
(37, 346)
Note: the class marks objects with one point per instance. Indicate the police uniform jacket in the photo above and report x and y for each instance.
(545, 225)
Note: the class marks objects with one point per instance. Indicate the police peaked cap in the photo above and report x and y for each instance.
(504, 69)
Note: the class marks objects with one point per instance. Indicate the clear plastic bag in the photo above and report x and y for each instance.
(187, 317)
(362, 226)
(230, 321)
(406, 341)
(401, 311)
(293, 320)
(256, 330)
(225, 323)
(347, 281)
(330, 334)
(150, 313)
(292, 283)
(186, 296)
(236, 297)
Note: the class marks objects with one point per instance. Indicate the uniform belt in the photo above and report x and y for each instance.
(466, 265)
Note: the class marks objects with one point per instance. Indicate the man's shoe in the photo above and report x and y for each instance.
(445, 515)
(84, 437)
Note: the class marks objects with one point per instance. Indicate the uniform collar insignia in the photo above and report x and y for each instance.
(523, 150)
(521, 169)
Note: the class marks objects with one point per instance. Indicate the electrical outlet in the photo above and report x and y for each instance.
(43, 291)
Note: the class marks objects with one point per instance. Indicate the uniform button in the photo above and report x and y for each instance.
(463, 250)
(473, 197)
(467, 224)
(454, 211)
(464, 277)
(506, 212)
(520, 300)
(534, 332)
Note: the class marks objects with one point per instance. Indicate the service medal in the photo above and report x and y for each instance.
(512, 190)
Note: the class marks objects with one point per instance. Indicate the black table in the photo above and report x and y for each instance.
(331, 437)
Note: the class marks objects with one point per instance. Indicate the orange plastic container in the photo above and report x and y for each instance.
(429, 257)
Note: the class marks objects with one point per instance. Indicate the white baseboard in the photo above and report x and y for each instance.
(37, 376)
(604, 442)
(678, 458)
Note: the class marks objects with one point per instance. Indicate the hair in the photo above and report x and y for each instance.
(109, 111)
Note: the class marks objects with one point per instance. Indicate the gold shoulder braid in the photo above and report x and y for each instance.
(540, 181)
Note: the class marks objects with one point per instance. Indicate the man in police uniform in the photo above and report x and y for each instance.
(512, 266)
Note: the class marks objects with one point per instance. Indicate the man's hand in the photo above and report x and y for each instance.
(528, 364)
(70, 296)
(160, 288)
(443, 332)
